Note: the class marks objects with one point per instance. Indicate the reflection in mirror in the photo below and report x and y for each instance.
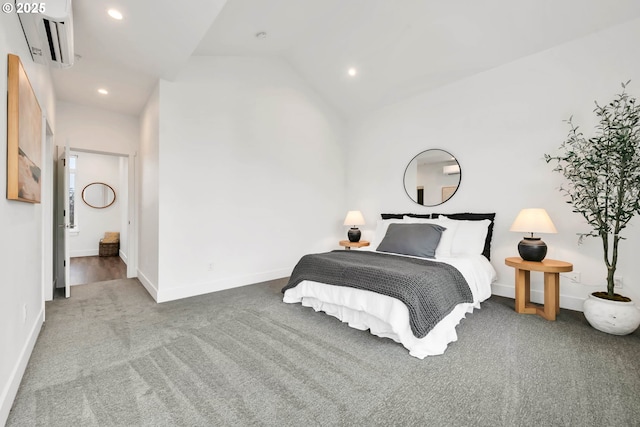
(432, 177)
(98, 195)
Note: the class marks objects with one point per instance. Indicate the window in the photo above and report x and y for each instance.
(73, 220)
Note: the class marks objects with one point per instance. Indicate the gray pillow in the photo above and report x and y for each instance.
(412, 239)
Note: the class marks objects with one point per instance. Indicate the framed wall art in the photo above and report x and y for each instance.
(24, 136)
(448, 191)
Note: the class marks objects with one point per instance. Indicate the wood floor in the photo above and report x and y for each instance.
(90, 269)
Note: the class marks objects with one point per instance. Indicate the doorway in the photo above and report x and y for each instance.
(87, 221)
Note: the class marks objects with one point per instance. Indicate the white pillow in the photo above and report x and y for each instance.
(469, 237)
(446, 239)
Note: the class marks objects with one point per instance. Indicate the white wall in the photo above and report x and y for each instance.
(251, 175)
(21, 253)
(499, 124)
(147, 194)
(123, 195)
(97, 129)
(93, 223)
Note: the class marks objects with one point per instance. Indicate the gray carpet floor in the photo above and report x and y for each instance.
(111, 356)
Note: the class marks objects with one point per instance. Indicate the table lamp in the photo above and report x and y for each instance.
(354, 218)
(533, 221)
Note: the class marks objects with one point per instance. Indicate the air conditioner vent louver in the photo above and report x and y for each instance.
(50, 41)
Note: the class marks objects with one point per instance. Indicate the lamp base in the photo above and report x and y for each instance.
(532, 249)
(354, 234)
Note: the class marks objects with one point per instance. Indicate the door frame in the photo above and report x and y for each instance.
(132, 256)
(48, 215)
(132, 238)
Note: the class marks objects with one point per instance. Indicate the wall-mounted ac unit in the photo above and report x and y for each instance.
(451, 170)
(49, 33)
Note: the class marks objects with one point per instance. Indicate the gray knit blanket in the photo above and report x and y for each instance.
(429, 289)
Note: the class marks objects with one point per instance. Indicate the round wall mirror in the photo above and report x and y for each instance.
(98, 195)
(432, 177)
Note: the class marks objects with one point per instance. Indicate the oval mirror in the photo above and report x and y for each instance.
(98, 195)
(432, 177)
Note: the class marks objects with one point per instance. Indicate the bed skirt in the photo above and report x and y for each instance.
(389, 317)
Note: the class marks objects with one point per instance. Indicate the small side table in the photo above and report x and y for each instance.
(551, 269)
(348, 245)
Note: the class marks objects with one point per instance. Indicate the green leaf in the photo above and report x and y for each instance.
(603, 172)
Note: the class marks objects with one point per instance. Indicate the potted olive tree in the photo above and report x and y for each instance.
(603, 174)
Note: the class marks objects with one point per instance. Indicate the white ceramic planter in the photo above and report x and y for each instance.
(612, 317)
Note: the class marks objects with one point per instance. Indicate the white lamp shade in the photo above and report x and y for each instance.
(533, 221)
(354, 218)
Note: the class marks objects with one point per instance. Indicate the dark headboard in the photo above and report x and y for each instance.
(468, 216)
(400, 216)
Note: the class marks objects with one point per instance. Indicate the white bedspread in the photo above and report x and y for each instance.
(388, 317)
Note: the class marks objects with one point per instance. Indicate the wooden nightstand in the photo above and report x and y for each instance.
(348, 245)
(551, 269)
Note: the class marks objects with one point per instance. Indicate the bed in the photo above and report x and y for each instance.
(463, 242)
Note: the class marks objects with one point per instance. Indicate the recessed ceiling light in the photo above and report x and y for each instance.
(103, 91)
(115, 14)
(352, 72)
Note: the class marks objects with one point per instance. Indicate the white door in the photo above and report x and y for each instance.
(62, 222)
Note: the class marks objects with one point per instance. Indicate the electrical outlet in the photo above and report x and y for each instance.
(573, 276)
(618, 282)
(210, 266)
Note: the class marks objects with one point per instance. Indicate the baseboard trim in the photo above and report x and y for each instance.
(11, 389)
(83, 252)
(186, 291)
(566, 301)
(123, 256)
(148, 285)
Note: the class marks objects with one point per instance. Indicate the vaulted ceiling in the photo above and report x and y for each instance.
(398, 48)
